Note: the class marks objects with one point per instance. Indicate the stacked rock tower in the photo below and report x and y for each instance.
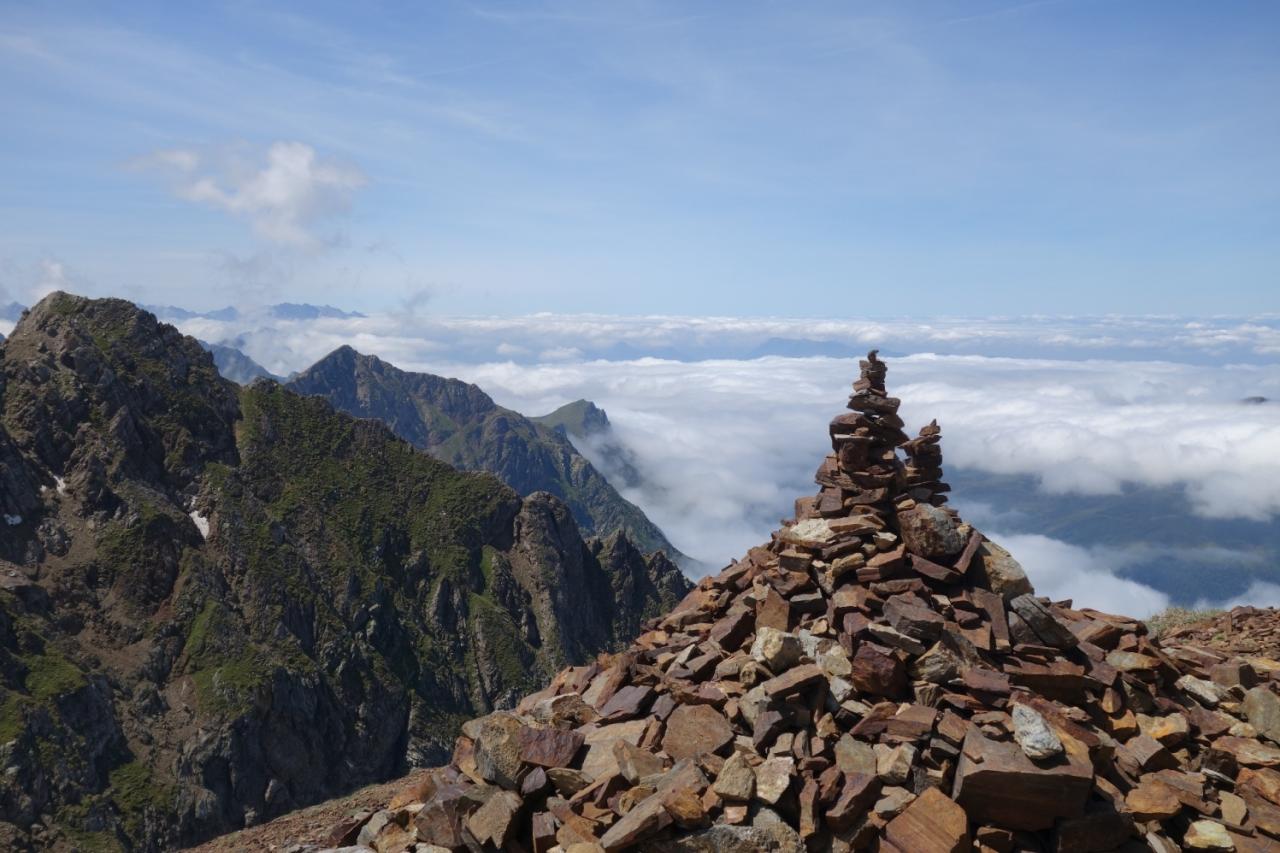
(866, 489)
(878, 677)
(863, 470)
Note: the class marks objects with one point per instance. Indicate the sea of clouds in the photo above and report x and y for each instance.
(727, 431)
(548, 338)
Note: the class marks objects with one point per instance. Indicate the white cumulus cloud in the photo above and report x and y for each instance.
(284, 192)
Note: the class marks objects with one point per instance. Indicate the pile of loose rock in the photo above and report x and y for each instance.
(879, 677)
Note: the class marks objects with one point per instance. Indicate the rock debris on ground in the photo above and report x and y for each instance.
(879, 676)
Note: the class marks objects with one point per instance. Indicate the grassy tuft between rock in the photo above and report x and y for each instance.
(136, 791)
(1175, 617)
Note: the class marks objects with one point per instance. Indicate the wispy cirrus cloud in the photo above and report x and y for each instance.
(288, 193)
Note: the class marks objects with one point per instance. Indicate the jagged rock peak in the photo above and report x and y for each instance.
(72, 359)
(876, 677)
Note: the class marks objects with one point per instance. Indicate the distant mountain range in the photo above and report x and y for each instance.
(460, 424)
(279, 311)
(219, 603)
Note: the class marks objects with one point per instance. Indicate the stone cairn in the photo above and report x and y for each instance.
(878, 677)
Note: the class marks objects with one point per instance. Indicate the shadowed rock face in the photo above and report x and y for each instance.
(460, 424)
(218, 604)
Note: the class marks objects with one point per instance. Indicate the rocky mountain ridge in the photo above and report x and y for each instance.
(220, 603)
(879, 676)
(459, 423)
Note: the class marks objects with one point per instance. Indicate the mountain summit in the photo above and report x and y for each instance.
(879, 676)
(218, 604)
(586, 422)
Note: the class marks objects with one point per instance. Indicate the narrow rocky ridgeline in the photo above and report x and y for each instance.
(460, 424)
(877, 677)
(219, 604)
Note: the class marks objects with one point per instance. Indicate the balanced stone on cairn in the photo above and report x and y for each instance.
(924, 466)
(873, 373)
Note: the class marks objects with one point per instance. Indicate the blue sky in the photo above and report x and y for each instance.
(839, 159)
